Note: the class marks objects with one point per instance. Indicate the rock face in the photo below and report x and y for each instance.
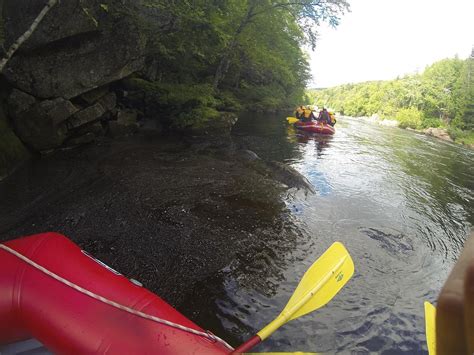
(40, 127)
(12, 150)
(79, 45)
(60, 76)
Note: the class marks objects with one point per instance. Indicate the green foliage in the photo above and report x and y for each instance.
(462, 136)
(409, 117)
(228, 102)
(248, 51)
(196, 117)
(441, 96)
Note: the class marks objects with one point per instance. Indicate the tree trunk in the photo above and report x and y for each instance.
(13, 48)
(225, 60)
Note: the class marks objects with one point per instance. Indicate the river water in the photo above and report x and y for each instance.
(401, 202)
(213, 244)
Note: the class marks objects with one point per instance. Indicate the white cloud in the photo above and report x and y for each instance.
(383, 39)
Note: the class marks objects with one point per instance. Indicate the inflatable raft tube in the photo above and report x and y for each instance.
(35, 304)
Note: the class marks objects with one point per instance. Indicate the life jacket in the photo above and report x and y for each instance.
(299, 111)
(307, 113)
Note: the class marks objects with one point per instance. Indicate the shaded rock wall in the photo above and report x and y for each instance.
(80, 45)
(59, 78)
(12, 151)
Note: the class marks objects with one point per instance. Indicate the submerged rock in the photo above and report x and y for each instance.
(290, 176)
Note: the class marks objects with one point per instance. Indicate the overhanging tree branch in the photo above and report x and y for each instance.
(309, 12)
(14, 47)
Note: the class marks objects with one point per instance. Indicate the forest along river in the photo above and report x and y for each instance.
(212, 235)
(402, 204)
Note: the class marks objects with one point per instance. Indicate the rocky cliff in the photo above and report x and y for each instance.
(59, 84)
(64, 85)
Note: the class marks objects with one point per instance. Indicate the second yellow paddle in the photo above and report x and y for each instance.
(321, 282)
(430, 325)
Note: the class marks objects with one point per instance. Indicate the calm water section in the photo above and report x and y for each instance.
(401, 202)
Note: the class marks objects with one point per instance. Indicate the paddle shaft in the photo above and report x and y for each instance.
(287, 313)
(249, 344)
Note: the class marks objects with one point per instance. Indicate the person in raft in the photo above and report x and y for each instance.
(324, 116)
(299, 112)
(455, 307)
(308, 115)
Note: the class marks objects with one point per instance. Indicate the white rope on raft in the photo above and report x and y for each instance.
(207, 335)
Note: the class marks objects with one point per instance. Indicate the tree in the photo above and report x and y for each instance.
(14, 47)
(308, 14)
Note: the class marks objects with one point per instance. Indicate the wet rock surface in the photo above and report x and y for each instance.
(156, 210)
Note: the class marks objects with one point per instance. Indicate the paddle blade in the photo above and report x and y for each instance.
(430, 325)
(292, 120)
(321, 282)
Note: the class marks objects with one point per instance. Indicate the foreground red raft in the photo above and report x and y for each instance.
(315, 127)
(67, 321)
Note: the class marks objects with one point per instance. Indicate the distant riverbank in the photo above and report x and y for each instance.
(467, 139)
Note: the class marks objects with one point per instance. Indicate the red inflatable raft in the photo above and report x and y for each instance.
(315, 127)
(53, 291)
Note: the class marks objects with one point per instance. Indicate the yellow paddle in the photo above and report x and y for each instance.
(430, 325)
(292, 120)
(321, 282)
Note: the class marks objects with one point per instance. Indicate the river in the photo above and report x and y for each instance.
(402, 204)
(220, 244)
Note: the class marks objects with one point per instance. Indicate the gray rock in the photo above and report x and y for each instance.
(289, 176)
(12, 150)
(40, 126)
(125, 124)
(108, 101)
(247, 155)
(84, 139)
(438, 133)
(77, 47)
(94, 128)
(94, 95)
(18, 102)
(66, 19)
(87, 115)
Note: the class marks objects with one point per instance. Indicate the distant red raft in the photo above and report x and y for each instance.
(34, 304)
(315, 127)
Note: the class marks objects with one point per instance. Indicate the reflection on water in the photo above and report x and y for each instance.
(401, 202)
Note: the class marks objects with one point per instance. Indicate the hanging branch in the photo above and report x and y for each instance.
(13, 48)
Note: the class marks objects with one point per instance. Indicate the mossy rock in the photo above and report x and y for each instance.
(206, 121)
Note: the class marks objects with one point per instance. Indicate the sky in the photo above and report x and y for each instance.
(383, 39)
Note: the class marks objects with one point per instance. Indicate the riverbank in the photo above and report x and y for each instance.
(464, 139)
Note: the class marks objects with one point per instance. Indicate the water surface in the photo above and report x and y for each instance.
(401, 202)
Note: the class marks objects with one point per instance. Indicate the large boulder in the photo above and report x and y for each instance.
(79, 45)
(39, 124)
